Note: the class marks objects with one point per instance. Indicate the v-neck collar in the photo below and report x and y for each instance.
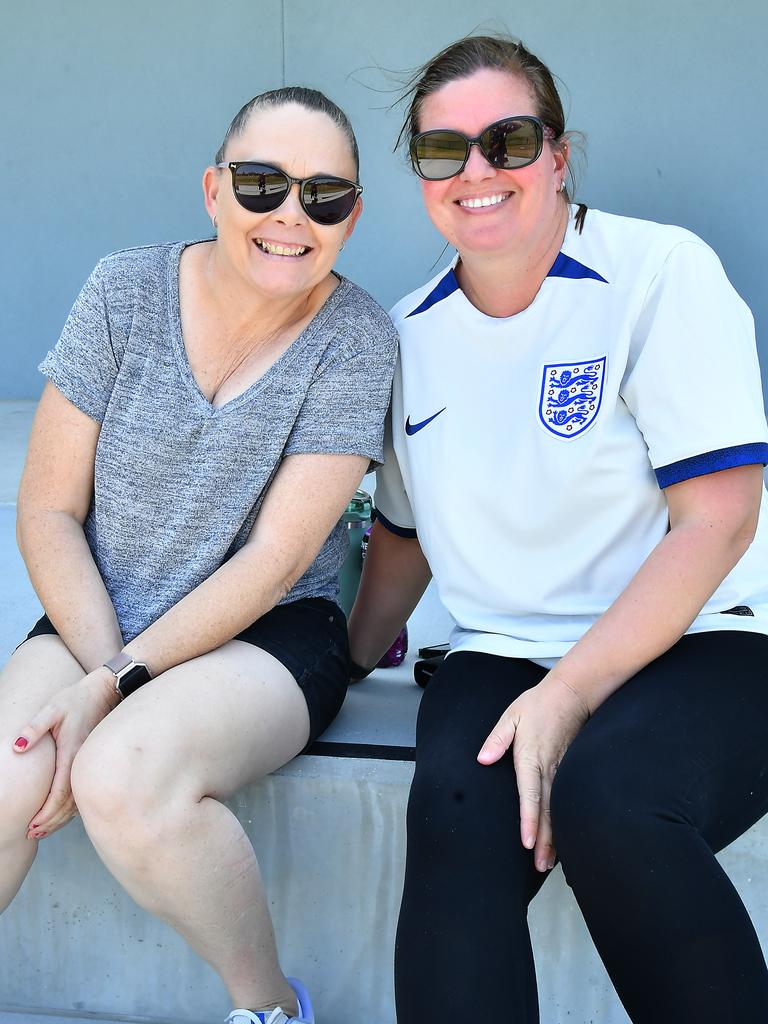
(285, 359)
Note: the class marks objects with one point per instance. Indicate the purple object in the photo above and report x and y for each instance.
(396, 653)
(364, 542)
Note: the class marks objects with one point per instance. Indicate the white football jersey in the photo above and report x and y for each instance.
(530, 453)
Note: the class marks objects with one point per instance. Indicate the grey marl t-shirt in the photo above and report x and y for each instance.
(179, 483)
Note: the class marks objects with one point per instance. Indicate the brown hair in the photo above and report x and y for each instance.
(475, 53)
(310, 99)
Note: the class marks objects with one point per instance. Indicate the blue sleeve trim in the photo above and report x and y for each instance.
(400, 531)
(711, 462)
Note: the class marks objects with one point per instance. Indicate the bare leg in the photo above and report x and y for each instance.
(39, 668)
(148, 784)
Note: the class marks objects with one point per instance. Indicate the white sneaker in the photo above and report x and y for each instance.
(278, 1016)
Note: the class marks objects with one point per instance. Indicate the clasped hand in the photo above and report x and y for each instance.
(70, 716)
(539, 727)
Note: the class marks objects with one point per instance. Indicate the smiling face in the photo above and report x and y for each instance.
(282, 253)
(484, 210)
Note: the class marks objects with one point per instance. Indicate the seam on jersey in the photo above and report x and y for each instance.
(752, 454)
(685, 241)
(107, 321)
(633, 355)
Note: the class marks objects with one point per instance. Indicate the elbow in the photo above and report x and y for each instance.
(737, 535)
(19, 535)
(745, 534)
(33, 522)
(24, 530)
(745, 528)
(287, 582)
(29, 528)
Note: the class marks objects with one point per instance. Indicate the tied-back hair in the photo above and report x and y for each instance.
(498, 53)
(310, 99)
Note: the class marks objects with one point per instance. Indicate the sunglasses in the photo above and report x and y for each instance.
(507, 144)
(261, 188)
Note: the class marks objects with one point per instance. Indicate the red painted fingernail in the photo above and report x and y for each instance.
(21, 743)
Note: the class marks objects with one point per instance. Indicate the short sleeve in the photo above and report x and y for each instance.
(693, 380)
(83, 364)
(346, 403)
(393, 509)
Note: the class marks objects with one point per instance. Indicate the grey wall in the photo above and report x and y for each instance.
(110, 112)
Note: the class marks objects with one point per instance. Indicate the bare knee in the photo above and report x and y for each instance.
(34, 673)
(107, 781)
(122, 797)
(25, 782)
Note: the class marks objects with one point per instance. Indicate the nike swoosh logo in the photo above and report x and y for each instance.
(414, 428)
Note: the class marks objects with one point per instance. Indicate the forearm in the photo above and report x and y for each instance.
(281, 547)
(395, 575)
(653, 611)
(240, 591)
(69, 585)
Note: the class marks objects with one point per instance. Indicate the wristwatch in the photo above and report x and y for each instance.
(129, 674)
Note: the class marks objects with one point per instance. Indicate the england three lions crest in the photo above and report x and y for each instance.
(570, 396)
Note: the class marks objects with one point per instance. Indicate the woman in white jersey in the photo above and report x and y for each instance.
(577, 445)
(210, 408)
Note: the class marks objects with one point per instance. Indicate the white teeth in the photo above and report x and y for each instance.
(281, 250)
(473, 204)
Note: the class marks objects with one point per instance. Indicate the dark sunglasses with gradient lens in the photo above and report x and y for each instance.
(261, 188)
(507, 144)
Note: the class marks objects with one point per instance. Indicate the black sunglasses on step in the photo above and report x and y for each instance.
(261, 188)
(508, 144)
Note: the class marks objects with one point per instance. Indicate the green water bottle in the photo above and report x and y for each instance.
(358, 519)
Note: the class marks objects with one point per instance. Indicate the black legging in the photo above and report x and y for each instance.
(671, 768)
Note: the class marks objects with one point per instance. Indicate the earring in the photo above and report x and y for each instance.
(342, 247)
(562, 185)
(213, 221)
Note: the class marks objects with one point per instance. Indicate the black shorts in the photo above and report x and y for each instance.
(309, 637)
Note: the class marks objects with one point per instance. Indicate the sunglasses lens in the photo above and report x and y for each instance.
(513, 143)
(260, 188)
(328, 200)
(439, 155)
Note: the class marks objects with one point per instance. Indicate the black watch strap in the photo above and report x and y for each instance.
(129, 674)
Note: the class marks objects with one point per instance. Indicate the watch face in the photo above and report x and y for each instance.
(131, 679)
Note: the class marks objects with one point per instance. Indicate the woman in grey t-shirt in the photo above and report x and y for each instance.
(210, 410)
